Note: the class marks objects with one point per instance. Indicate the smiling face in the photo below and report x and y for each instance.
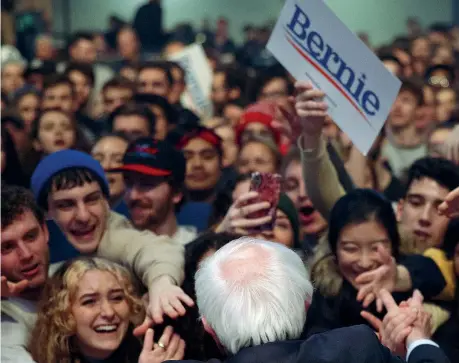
(150, 200)
(81, 213)
(358, 249)
(101, 313)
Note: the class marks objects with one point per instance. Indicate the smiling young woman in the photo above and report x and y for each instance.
(87, 312)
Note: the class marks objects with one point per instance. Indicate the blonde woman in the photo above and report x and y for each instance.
(87, 313)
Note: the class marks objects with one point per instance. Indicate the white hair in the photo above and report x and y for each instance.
(253, 292)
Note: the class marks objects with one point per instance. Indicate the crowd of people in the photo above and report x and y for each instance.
(130, 231)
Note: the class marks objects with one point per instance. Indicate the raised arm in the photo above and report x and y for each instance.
(320, 176)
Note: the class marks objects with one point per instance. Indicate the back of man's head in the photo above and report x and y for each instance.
(252, 292)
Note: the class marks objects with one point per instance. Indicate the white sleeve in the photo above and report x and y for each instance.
(14, 343)
(417, 343)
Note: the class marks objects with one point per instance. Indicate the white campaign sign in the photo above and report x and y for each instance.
(198, 76)
(313, 44)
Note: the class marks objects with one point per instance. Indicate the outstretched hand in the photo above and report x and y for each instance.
(12, 289)
(165, 298)
(169, 347)
(402, 324)
(383, 277)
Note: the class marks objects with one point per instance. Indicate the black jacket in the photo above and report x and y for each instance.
(354, 345)
(342, 310)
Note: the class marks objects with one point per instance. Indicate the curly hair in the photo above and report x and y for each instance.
(52, 337)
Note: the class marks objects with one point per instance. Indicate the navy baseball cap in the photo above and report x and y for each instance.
(151, 157)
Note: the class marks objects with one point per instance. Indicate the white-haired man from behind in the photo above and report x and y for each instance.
(253, 297)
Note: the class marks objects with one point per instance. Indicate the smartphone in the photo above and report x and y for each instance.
(268, 187)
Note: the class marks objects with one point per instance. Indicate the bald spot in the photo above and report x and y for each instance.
(248, 264)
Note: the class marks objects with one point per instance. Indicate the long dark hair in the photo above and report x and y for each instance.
(13, 174)
(362, 205)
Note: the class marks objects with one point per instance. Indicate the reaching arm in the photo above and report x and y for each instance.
(320, 176)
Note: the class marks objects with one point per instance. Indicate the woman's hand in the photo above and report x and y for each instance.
(169, 347)
(236, 219)
(383, 277)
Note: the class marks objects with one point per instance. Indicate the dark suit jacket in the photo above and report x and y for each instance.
(357, 344)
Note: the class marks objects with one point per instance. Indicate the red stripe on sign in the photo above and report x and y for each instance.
(331, 80)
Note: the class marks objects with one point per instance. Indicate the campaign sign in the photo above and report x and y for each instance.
(313, 44)
(198, 77)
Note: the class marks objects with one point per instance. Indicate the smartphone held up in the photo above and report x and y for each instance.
(268, 187)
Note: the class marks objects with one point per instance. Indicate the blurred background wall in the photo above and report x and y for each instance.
(381, 19)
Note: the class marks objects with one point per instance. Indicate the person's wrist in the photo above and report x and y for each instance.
(163, 279)
(310, 140)
(415, 336)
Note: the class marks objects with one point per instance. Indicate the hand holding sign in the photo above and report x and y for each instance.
(313, 44)
(309, 117)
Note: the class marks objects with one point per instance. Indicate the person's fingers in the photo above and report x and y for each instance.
(313, 94)
(245, 197)
(373, 320)
(401, 324)
(169, 310)
(404, 304)
(244, 211)
(240, 231)
(156, 311)
(302, 86)
(387, 300)
(386, 257)
(143, 328)
(379, 305)
(368, 299)
(180, 352)
(367, 277)
(177, 305)
(364, 291)
(307, 114)
(166, 337)
(186, 299)
(148, 341)
(401, 336)
(250, 223)
(312, 105)
(399, 321)
(417, 299)
(173, 345)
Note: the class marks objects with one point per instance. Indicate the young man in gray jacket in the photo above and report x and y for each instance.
(72, 187)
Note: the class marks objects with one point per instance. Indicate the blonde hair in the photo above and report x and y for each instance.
(51, 338)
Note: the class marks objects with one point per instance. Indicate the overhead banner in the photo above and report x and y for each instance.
(313, 44)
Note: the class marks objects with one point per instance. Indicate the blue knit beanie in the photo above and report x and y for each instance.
(63, 160)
